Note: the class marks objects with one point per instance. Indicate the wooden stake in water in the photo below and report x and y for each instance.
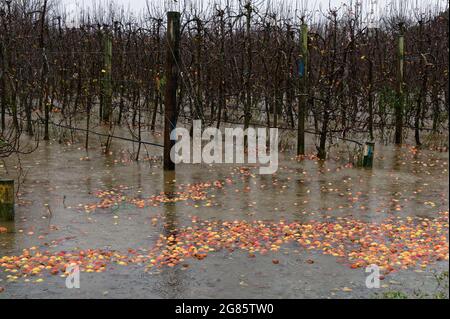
(400, 78)
(172, 74)
(106, 96)
(303, 74)
(5, 97)
(369, 151)
(6, 199)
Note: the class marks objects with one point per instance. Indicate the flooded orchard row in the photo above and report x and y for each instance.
(223, 230)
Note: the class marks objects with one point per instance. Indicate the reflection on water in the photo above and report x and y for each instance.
(172, 277)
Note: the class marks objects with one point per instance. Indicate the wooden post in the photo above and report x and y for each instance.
(369, 151)
(5, 99)
(106, 96)
(400, 78)
(248, 77)
(44, 74)
(172, 73)
(6, 199)
(303, 74)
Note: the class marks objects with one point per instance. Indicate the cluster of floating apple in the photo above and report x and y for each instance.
(116, 197)
(396, 243)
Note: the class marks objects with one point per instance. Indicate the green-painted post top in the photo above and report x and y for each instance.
(304, 39)
(401, 44)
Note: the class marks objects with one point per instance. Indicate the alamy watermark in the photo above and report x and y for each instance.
(214, 151)
(373, 279)
(73, 277)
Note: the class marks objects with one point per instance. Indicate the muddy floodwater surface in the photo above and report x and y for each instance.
(223, 231)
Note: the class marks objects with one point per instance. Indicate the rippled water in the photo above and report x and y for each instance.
(62, 182)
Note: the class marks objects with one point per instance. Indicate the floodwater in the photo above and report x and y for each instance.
(70, 200)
